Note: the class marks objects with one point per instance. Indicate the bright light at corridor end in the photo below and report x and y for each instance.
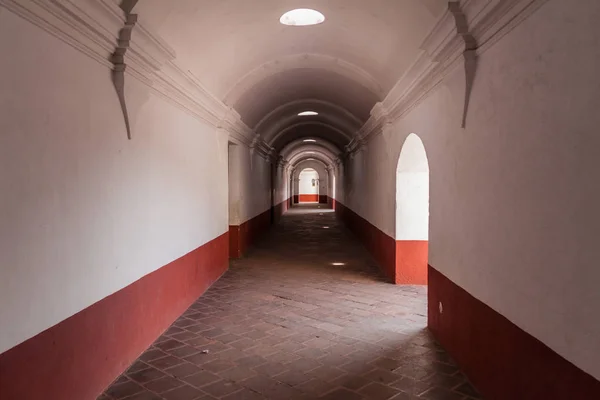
(302, 17)
(337, 264)
(306, 113)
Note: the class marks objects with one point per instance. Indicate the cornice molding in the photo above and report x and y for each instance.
(236, 129)
(92, 27)
(474, 29)
(262, 148)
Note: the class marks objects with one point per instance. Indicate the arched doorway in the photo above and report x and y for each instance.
(308, 186)
(412, 213)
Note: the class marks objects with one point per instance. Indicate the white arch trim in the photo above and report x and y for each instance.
(412, 191)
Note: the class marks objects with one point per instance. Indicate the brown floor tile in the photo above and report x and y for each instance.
(285, 311)
(293, 377)
(202, 378)
(146, 375)
(166, 362)
(122, 390)
(342, 394)
(244, 394)
(183, 393)
(221, 388)
(164, 384)
(378, 391)
(145, 395)
(237, 374)
(183, 370)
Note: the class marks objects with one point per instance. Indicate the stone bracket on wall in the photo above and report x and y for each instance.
(469, 53)
(118, 59)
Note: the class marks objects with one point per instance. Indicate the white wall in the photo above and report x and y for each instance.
(282, 183)
(412, 191)
(250, 182)
(85, 211)
(513, 197)
(306, 185)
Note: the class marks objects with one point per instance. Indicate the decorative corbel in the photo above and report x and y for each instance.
(118, 58)
(469, 54)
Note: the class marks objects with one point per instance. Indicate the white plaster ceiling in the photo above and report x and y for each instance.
(245, 57)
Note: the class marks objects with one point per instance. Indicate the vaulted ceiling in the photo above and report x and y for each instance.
(269, 72)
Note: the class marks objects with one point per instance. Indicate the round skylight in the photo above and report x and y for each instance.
(305, 113)
(302, 17)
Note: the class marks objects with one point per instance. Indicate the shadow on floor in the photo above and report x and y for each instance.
(305, 315)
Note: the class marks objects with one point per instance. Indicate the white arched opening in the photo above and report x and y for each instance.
(308, 186)
(412, 212)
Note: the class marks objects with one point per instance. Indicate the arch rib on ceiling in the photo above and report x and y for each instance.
(300, 61)
(343, 137)
(292, 108)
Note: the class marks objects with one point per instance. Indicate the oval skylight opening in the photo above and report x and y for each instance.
(302, 17)
(309, 140)
(305, 113)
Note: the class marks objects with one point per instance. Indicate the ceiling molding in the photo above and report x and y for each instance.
(237, 131)
(92, 27)
(487, 21)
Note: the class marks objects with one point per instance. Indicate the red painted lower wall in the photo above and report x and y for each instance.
(305, 198)
(322, 199)
(411, 261)
(503, 361)
(403, 262)
(296, 199)
(79, 357)
(280, 209)
(242, 236)
(331, 202)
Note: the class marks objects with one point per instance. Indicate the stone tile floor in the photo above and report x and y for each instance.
(305, 315)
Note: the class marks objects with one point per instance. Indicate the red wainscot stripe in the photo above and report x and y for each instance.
(309, 198)
(80, 356)
(403, 262)
(280, 209)
(322, 199)
(502, 360)
(242, 236)
(331, 202)
(411, 262)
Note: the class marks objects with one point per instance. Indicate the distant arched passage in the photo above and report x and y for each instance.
(412, 212)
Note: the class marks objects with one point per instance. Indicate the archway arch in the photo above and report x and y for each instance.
(308, 185)
(412, 212)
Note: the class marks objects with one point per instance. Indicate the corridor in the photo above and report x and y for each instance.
(304, 315)
(299, 199)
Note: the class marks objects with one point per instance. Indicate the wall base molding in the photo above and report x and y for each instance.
(80, 356)
(502, 360)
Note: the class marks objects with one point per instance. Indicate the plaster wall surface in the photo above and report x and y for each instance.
(412, 191)
(513, 197)
(250, 181)
(84, 211)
